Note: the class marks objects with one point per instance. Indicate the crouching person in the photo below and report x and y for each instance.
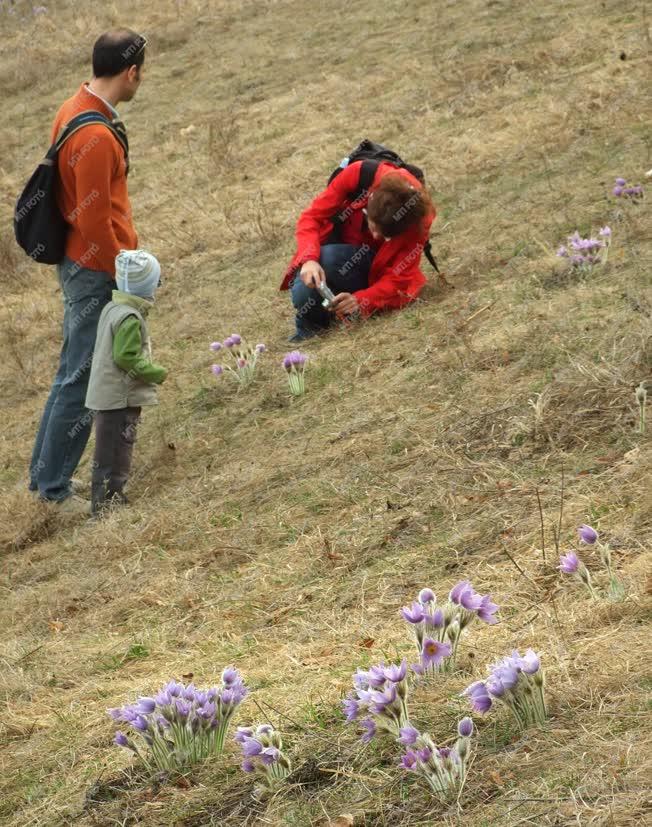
(123, 377)
(362, 237)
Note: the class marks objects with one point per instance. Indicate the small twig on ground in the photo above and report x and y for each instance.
(291, 720)
(527, 576)
(463, 324)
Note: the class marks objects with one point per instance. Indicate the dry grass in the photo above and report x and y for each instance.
(283, 535)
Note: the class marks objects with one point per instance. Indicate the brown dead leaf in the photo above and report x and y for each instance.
(366, 643)
(56, 626)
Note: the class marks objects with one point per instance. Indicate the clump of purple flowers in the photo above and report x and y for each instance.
(518, 682)
(242, 359)
(587, 252)
(295, 365)
(443, 768)
(438, 630)
(180, 725)
(262, 754)
(379, 700)
(622, 190)
(571, 564)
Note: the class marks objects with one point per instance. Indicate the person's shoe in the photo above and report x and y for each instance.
(302, 337)
(71, 506)
(104, 505)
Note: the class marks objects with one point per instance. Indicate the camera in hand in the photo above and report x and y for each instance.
(326, 293)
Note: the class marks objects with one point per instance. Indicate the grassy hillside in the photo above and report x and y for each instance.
(283, 535)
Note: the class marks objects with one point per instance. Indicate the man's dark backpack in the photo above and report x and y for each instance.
(372, 154)
(39, 226)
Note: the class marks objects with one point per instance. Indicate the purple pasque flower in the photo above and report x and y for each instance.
(487, 610)
(396, 672)
(434, 651)
(116, 714)
(145, 706)
(426, 596)
(228, 342)
(248, 765)
(182, 708)
(236, 339)
(434, 620)
(569, 563)
(369, 725)
(495, 687)
(120, 739)
(588, 535)
(478, 696)
(620, 182)
(251, 747)
(163, 698)
(469, 599)
(294, 359)
(413, 615)
(380, 700)
(374, 677)
(408, 735)
(562, 252)
(458, 588)
(207, 710)
(424, 754)
(530, 662)
(175, 689)
(260, 348)
(617, 190)
(242, 733)
(605, 232)
(230, 675)
(217, 370)
(409, 760)
(140, 723)
(506, 673)
(351, 709)
(216, 346)
(269, 756)
(481, 703)
(465, 728)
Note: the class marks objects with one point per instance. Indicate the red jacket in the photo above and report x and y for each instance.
(395, 278)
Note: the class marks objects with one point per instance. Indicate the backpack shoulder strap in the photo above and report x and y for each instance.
(91, 116)
(427, 251)
(366, 179)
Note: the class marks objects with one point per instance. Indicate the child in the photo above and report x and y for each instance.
(123, 377)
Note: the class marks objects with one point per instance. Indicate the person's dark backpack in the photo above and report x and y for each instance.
(372, 154)
(39, 226)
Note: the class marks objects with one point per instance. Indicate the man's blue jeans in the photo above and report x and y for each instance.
(347, 270)
(66, 422)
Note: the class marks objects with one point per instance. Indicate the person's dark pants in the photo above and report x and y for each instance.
(115, 435)
(347, 270)
(66, 422)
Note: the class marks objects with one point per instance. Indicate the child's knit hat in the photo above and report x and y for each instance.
(137, 272)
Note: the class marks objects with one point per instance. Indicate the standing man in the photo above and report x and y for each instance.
(93, 198)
